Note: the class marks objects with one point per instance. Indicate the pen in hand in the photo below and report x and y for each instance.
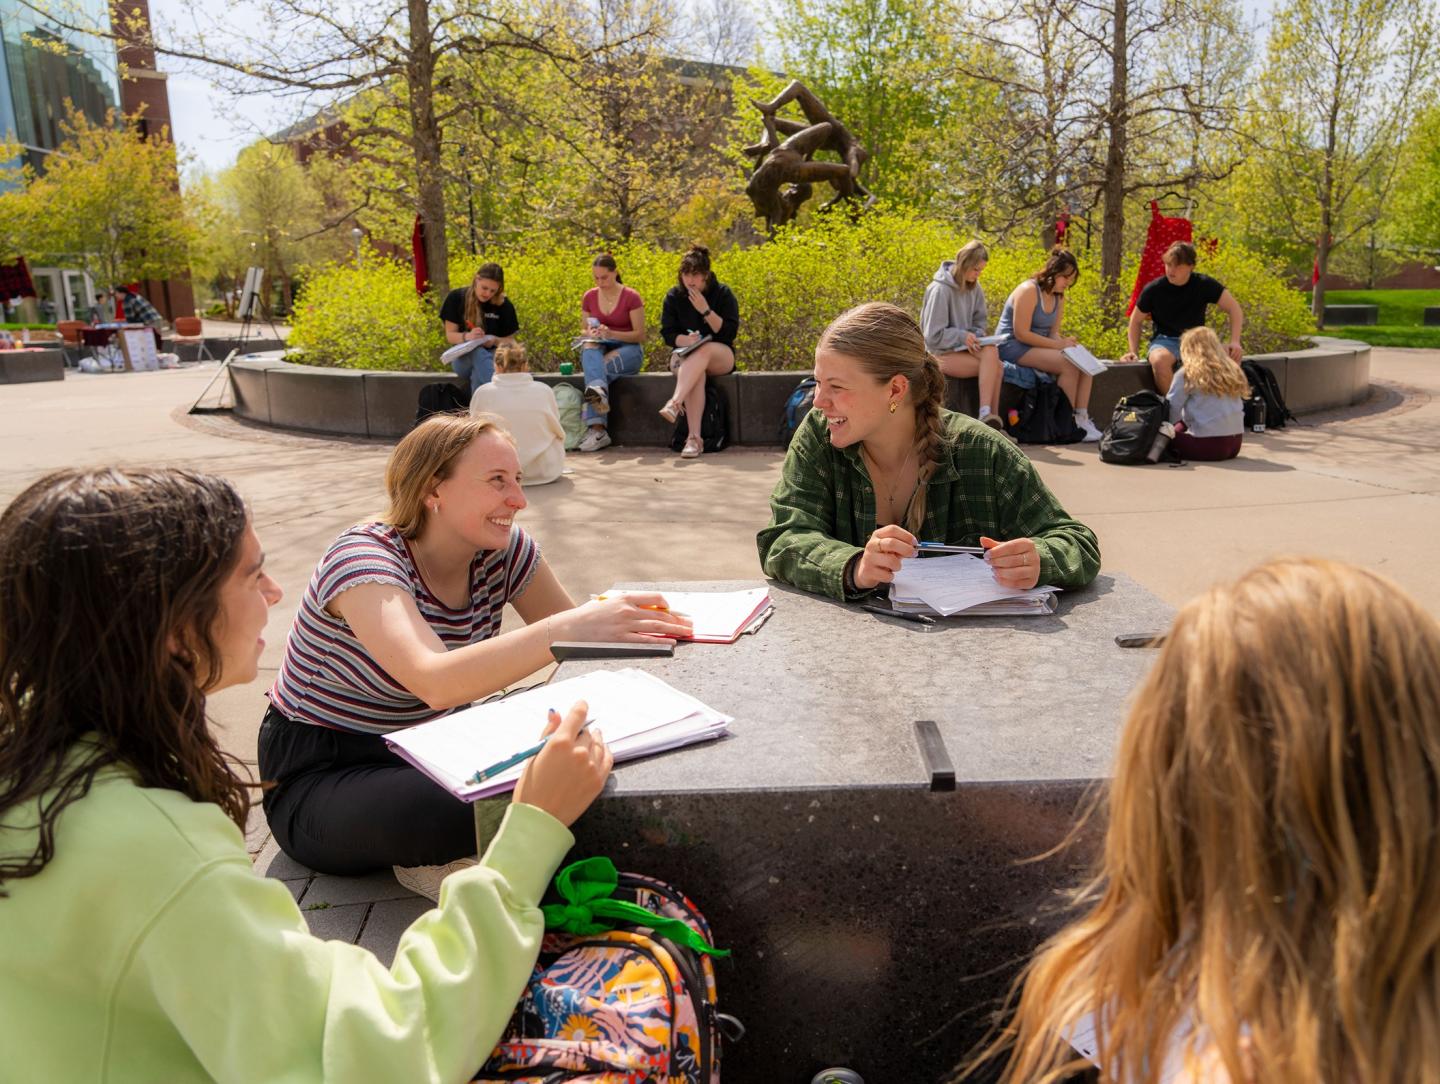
(519, 758)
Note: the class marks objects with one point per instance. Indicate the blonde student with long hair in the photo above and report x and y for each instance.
(1207, 399)
(953, 317)
(528, 410)
(880, 465)
(1264, 907)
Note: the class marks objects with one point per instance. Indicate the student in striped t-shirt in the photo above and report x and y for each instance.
(400, 624)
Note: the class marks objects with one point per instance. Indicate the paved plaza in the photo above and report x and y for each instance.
(1362, 485)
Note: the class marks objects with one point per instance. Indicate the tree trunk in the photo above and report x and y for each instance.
(1112, 241)
(1327, 207)
(429, 189)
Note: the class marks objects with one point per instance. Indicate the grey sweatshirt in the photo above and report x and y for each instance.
(951, 312)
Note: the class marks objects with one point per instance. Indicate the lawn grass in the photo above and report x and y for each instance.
(1397, 307)
(1389, 335)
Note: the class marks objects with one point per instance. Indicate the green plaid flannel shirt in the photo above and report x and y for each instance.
(822, 511)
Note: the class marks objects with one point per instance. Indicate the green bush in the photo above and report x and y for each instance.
(366, 317)
(789, 289)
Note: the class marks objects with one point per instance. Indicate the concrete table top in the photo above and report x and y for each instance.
(825, 695)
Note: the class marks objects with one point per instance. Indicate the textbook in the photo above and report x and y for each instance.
(636, 713)
(962, 584)
(686, 351)
(990, 340)
(1083, 360)
(720, 617)
(460, 349)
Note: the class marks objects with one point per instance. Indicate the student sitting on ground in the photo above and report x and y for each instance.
(699, 305)
(139, 944)
(401, 624)
(482, 312)
(1031, 323)
(612, 319)
(953, 317)
(528, 410)
(1207, 399)
(879, 464)
(1266, 892)
(1176, 302)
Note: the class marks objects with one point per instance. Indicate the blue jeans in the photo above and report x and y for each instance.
(478, 365)
(626, 362)
(1165, 342)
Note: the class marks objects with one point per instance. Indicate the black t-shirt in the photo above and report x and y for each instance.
(679, 317)
(1176, 309)
(500, 320)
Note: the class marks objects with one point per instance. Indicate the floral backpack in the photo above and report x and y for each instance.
(623, 992)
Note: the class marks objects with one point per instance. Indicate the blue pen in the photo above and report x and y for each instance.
(518, 758)
(942, 548)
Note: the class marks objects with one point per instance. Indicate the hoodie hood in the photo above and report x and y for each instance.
(946, 275)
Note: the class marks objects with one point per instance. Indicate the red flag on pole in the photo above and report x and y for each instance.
(417, 252)
(1315, 272)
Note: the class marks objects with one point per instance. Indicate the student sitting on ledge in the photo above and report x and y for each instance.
(1263, 909)
(139, 944)
(400, 625)
(879, 465)
(482, 312)
(698, 305)
(953, 318)
(1207, 399)
(528, 410)
(612, 318)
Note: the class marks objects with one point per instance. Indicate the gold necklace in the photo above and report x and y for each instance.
(874, 468)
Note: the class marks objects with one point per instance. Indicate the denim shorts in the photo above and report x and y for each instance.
(1166, 342)
(1012, 350)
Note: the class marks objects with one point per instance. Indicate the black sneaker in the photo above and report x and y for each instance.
(598, 396)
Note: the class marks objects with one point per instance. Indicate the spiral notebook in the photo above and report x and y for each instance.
(636, 713)
(720, 617)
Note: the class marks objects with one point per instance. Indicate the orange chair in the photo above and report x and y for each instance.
(188, 330)
(70, 338)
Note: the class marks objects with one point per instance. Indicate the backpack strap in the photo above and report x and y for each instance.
(586, 887)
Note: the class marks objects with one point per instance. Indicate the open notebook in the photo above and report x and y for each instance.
(962, 584)
(1083, 360)
(720, 617)
(636, 713)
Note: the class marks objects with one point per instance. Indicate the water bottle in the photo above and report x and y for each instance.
(1160, 443)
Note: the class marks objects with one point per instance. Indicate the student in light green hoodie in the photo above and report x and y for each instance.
(137, 942)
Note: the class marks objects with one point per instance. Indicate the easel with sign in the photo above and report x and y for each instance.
(138, 349)
(250, 301)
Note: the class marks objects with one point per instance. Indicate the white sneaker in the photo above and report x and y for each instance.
(1088, 428)
(594, 440)
(425, 880)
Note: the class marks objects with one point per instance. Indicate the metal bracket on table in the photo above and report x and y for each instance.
(934, 754)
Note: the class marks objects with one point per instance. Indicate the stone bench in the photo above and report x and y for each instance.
(1352, 315)
(355, 402)
(31, 366)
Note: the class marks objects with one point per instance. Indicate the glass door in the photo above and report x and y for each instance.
(79, 294)
(49, 294)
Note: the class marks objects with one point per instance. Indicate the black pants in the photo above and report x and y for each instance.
(344, 803)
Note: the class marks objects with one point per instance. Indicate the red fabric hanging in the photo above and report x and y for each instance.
(15, 280)
(417, 252)
(1163, 233)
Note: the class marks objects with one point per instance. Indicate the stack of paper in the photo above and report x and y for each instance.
(1083, 360)
(720, 617)
(636, 713)
(963, 583)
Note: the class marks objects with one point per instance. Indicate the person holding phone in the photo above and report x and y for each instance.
(699, 308)
(612, 318)
(479, 313)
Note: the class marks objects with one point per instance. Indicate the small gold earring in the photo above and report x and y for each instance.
(892, 406)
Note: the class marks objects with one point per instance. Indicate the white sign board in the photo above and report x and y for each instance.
(137, 345)
(253, 278)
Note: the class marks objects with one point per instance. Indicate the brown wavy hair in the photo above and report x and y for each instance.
(474, 316)
(887, 342)
(1272, 860)
(427, 455)
(102, 573)
(1061, 261)
(696, 261)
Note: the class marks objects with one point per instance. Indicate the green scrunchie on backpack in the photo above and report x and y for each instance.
(587, 887)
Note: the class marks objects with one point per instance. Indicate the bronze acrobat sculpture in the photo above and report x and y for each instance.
(785, 174)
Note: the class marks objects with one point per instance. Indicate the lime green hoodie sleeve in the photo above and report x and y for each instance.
(229, 961)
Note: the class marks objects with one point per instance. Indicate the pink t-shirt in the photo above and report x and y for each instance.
(618, 318)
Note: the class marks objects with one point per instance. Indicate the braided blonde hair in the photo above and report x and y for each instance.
(886, 342)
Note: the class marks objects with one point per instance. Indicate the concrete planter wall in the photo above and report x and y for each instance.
(353, 402)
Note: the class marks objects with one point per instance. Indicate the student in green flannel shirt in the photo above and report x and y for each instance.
(879, 464)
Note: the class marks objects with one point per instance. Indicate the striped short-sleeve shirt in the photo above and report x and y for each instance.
(327, 677)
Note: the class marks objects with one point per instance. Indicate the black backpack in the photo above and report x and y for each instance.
(1264, 384)
(800, 403)
(1046, 417)
(442, 398)
(714, 422)
(1133, 428)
